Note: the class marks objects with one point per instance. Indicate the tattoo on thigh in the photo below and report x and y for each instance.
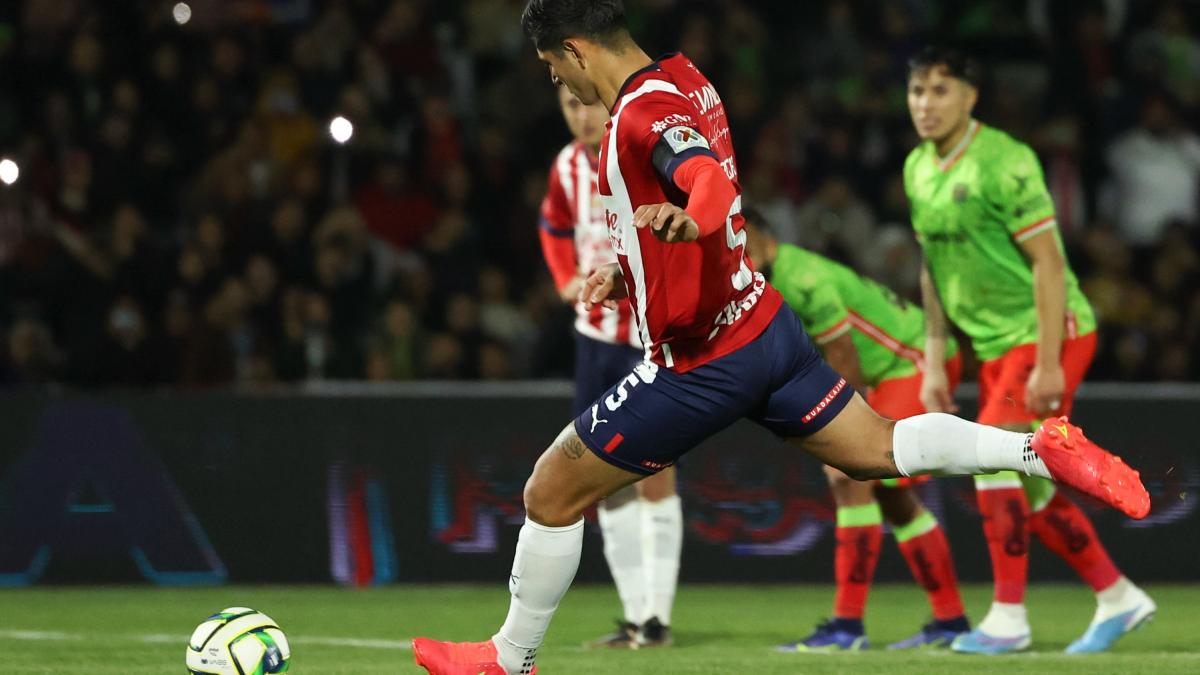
(572, 446)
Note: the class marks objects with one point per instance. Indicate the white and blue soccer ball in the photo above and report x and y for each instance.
(238, 641)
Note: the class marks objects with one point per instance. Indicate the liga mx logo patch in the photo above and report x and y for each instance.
(682, 138)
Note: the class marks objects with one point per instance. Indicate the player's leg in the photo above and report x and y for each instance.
(814, 408)
(1068, 532)
(923, 544)
(918, 533)
(642, 425)
(857, 536)
(662, 544)
(597, 366)
(620, 519)
(567, 479)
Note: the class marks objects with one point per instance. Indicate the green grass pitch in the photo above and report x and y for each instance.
(723, 629)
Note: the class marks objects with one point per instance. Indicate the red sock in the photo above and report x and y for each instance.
(1005, 514)
(923, 543)
(858, 544)
(1067, 531)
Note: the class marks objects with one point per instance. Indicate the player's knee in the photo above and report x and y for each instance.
(658, 487)
(545, 506)
(836, 477)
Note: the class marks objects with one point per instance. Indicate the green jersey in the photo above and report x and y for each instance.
(831, 299)
(971, 211)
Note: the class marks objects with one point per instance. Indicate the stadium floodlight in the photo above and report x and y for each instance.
(341, 129)
(9, 171)
(182, 13)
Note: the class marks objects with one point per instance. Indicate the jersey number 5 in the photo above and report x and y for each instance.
(737, 243)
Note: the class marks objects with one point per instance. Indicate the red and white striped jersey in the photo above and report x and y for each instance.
(693, 302)
(575, 241)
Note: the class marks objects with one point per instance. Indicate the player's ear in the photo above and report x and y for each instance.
(972, 96)
(573, 51)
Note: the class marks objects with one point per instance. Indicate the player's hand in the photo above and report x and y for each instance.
(1044, 391)
(668, 222)
(570, 292)
(603, 287)
(935, 391)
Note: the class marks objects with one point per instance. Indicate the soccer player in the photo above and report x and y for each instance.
(994, 265)
(874, 339)
(643, 523)
(718, 348)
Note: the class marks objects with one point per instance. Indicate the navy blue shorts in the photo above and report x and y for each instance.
(652, 416)
(598, 365)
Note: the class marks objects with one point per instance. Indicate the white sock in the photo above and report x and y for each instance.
(662, 529)
(543, 568)
(946, 445)
(1115, 593)
(1005, 620)
(622, 530)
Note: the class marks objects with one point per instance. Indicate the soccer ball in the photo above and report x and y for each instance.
(238, 641)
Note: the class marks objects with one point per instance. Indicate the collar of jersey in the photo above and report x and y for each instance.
(960, 149)
(655, 65)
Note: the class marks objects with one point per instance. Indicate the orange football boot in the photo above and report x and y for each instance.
(458, 658)
(1074, 460)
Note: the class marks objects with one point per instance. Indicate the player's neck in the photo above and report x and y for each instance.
(617, 71)
(947, 145)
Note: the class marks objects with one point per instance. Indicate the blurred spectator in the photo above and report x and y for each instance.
(1156, 171)
(32, 357)
(183, 216)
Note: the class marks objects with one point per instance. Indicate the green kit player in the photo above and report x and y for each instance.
(994, 266)
(875, 340)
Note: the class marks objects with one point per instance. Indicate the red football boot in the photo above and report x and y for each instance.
(458, 658)
(1074, 460)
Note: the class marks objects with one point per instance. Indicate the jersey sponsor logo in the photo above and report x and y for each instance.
(670, 121)
(829, 398)
(616, 234)
(736, 309)
(730, 168)
(705, 98)
(682, 138)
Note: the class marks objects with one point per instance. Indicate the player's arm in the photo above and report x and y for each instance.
(681, 156)
(556, 231)
(843, 357)
(935, 385)
(1047, 382)
(1028, 213)
(603, 287)
(710, 197)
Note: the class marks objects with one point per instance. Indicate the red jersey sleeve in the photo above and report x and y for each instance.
(556, 231)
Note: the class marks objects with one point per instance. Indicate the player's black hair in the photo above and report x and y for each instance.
(549, 22)
(756, 218)
(956, 62)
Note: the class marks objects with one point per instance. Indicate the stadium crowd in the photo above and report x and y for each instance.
(182, 215)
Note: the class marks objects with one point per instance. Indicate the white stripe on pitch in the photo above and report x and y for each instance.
(164, 638)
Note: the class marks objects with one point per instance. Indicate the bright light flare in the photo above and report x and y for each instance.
(341, 129)
(181, 12)
(9, 171)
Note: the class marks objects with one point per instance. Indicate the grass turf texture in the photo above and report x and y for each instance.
(723, 629)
